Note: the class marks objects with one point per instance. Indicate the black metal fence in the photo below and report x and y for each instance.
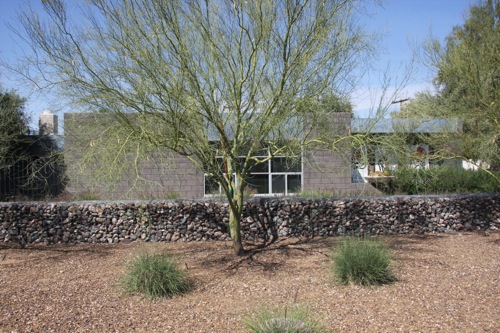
(36, 171)
(26, 180)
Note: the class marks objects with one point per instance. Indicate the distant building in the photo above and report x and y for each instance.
(369, 160)
(48, 123)
(314, 171)
(318, 171)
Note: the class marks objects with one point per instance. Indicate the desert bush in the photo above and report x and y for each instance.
(412, 181)
(159, 196)
(295, 319)
(362, 261)
(311, 193)
(85, 195)
(458, 180)
(155, 275)
(445, 179)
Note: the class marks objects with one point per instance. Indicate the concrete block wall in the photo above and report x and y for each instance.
(330, 170)
(161, 179)
(161, 174)
(164, 174)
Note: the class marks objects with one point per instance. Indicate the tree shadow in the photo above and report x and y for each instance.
(409, 242)
(264, 256)
(56, 252)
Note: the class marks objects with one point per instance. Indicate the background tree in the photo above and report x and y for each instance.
(30, 165)
(13, 125)
(209, 80)
(467, 83)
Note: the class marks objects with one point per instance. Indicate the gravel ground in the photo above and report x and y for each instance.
(446, 283)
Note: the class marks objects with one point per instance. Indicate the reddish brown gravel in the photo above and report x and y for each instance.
(446, 283)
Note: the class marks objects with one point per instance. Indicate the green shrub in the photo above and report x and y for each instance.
(445, 179)
(291, 320)
(172, 196)
(363, 262)
(155, 275)
(159, 196)
(86, 196)
(311, 193)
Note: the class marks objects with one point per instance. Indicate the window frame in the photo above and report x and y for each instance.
(270, 177)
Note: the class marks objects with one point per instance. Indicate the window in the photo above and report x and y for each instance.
(367, 160)
(278, 176)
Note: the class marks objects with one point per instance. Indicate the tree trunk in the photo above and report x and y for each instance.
(234, 223)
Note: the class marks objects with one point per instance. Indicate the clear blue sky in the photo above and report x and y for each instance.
(406, 24)
(403, 22)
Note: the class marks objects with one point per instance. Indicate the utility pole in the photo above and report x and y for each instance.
(401, 101)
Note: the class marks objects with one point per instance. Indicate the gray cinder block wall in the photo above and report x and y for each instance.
(166, 174)
(331, 170)
(159, 175)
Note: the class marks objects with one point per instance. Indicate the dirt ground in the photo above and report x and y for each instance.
(446, 283)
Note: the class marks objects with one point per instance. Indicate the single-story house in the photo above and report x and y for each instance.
(175, 176)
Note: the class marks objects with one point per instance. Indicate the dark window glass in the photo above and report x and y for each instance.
(279, 184)
(294, 183)
(219, 165)
(283, 164)
(259, 183)
(211, 186)
(215, 145)
(213, 165)
(241, 162)
(259, 150)
(261, 167)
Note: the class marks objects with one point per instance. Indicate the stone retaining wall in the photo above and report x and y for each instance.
(114, 222)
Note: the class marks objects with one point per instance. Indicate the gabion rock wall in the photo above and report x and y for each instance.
(202, 220)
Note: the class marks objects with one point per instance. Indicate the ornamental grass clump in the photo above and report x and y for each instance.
(291, 320)
(362, 261)
(155, 275)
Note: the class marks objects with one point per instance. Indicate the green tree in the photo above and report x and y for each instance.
(31, 164)
(204, 79)
(13, 125)
(467, 83)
